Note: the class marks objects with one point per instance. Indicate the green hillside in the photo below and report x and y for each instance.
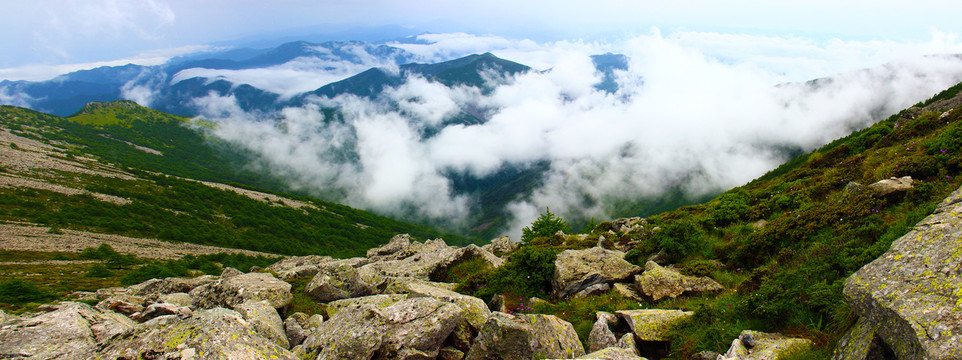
(781, 245)
(142, 162)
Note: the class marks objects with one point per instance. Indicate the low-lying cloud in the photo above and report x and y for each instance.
(685, 115)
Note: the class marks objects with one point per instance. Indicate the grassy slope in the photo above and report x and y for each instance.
(784, 274)
(176, 209)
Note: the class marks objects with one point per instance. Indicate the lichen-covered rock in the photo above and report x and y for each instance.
(229, 271)
(658, 282)
(704, 355)
(379, 301)
(891, 185)
(397, 248)
(763, 346)
(857, 343)
(155, 288)
(7, 318)
(209, 334)
(450, 353)
(401, 285)
(627, 341)
(506, 336)
(576, 270)
(627, 291)
(613, 353)
(475, 310)
(336, 283)
(124, 304)
(161, 309)
(430, 263)
(265, 320)
(292, 262)
(601, 336)
(501, 246)
(652, 324)
(295, 327)
(912, 294)
(69, 330)
(239, 289)
(179, 299)
(409, 329)
(596, 289)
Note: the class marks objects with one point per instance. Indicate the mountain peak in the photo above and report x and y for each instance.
(97, 107)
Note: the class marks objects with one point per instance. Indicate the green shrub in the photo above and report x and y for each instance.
(546, 225)
(19, 291)
(527, 273)
(98, 271)
(679, 240)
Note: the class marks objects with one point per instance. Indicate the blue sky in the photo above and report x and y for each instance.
(50, 36)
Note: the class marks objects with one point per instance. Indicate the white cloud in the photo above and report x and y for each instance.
(689, 113)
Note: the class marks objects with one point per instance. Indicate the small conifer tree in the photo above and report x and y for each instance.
(546, 225)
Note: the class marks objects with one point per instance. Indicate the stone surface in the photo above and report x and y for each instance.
(229, 271)
(265, 320)
(627, 341)
(379, 301)
(596, 289)
(891, 185)
(506, 336)
(658, 282)
(161, 309)
(576, 270)
(429, 263)
(912, 294)
(69, 330)
(294, 328)
(501, 246)
(652, 324)
(209, 334)
(857, 343)
(627, 290)
(613, 353)
(123, 304)
(766, 346)
(336, 283)
(474, 309)
(154, 288)
(409, 329)
(239, 289)
(179, 299)
(601, 336)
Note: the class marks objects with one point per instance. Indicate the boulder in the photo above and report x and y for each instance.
(891, 185)
(428, 264)
(155, 288)
(6, 318)
(704, 355)
(336, 283)
(596, 289)
(754, 345)
(474, 309)
(69, 330)
(652, 324)
(292, 262)
(658, 282)
(576, 270)
(911, 294)
(239, 289)
(627, 291)
(613, 353)
(265, 320)
(627, 341)
(859, 343)
(398, 247)
(409, 329)
(124, 304)
(179, 299)
(501, 246)
(601, 336)
(162, 309)
(229, 271)
(378, 301)
(401, 285)
(297, 327)
(208, 334)
(523, 336)
(450, 353)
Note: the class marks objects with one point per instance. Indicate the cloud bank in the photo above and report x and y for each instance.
(691, 110)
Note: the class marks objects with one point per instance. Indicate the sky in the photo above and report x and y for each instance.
(45, 37)
(710, 89)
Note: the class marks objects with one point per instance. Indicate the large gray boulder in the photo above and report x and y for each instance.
(658, 282)
(153, 289)
(239, 289)
(613, 353)
(338, 282)
(911, 296)
(209, 334)
(576, 270)
(379, 301)
(475, 311)
(756, 345)
(397, 248)
(429, 263)
(68, 330)
(265, 320)
(652, 324)
(508, 337)
(409, 329)
(501, 246)
(601, 336)
(891, 185)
